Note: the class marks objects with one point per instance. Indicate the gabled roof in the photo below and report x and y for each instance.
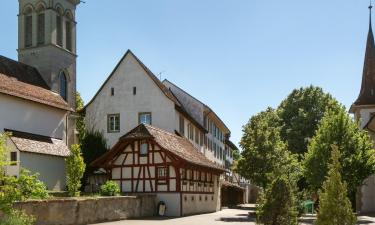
(231, 144)
(33, 143)
(180, 147)
(367, 92)
(13, 87)
(164, 89)
(207, 108)
(22, 72)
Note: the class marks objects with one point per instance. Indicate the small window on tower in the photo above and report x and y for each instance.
(63, 86)
(41, 30)
(28, 30)
(134, 90)
(112, 91)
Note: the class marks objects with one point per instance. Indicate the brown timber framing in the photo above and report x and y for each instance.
(194, 184)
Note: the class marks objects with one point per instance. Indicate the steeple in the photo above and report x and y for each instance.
(367, 92)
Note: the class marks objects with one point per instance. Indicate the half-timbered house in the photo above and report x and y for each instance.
(150, 160)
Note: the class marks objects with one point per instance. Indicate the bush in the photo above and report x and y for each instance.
(75, 167)
(277, 206)
(17, 217)
(110, 188)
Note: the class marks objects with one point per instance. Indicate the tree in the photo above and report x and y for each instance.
(300, 114)
(265, 155)
(75, 167)
(335, 207)
(4, 151)
(80, 122)
(357, 154)
(278, 205)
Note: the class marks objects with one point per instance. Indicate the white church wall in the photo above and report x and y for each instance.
(26, 116)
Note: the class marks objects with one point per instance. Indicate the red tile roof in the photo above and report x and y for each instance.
(27, 142)
(14, 87)
(178, 146)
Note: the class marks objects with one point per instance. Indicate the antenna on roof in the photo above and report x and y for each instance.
(159, 74)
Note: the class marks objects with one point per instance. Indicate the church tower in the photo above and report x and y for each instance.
(364, 107)
(364, 111)
(47, 41)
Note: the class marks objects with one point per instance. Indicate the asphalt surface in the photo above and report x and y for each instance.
(225, 216)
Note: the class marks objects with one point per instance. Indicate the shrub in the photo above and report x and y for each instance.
(277, 206)
(75, 167)
(17, 217)
(109, 188)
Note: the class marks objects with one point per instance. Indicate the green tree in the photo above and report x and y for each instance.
(278, 205)
(335, 207)
(300, 114)
(357, 154)
(265, 155)
(4, 151)
(75, 167)
(80, 122)
(93, 146)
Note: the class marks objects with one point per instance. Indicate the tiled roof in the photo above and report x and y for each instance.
(22, 72)
(178, 146)
(26, 142)
(12, 86)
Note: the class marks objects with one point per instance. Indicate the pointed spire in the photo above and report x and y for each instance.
(367, 93)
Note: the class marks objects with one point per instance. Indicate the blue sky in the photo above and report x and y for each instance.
(237, 56)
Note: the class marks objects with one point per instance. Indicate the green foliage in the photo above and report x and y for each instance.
(109, 188)
(75, 167)
(278, 205)
(93, 146)
(357, 154)
(265, 155)
(335, 207)
(4, 151)
(300, 114)
(17, 217)
(80, 122)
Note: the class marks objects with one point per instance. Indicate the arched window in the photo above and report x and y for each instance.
(41, 24)
(28, 25)
(59, 21)
(68, 31)
(63, 86)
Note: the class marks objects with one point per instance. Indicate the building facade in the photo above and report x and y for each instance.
(150, 160)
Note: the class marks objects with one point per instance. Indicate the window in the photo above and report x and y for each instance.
(144, 118)
(41, 28)
(201, 139)
(112, 91)
(59, 30)
(28, 31)
(113, 123)
(13, 158)
(68, 33)
(162, 172)
(191, 131)
(63, 86)
(183, 174)
(143, 149)
(182, 125)
(134, 90)
(196, 136)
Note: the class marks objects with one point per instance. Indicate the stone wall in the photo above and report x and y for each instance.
(76, 211)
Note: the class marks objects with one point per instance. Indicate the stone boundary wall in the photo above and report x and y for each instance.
(77, 211)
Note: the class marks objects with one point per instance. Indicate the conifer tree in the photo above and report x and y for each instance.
(335, 207)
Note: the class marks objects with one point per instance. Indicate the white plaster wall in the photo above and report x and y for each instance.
(149, 98)
(12, 170)
(22, 115)
(365, 116)
(51, 169)
(172, 201)
(368, 195)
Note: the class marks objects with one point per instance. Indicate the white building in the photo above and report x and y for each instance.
(37, 92)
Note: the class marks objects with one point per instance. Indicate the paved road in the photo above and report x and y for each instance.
(226, 216)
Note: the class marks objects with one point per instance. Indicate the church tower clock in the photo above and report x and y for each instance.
(47, 41)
